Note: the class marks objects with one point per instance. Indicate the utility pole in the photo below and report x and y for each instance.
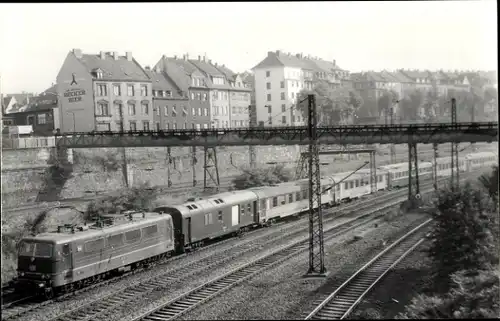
(454, 150)
(316, 246)
(252, 124)
(393, 147)
(123, 150)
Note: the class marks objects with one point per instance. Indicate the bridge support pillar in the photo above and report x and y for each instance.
(434, 167)
(455, 182)
(301, 169)
(211, 169)
(413, 194)
(253, 156)
(194, 161)
(373, 173)
(170, 163)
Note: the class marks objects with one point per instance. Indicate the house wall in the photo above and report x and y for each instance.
(219, 104)
(164, 113)
(277, 75)
(201, 108)
(76, 100)
(239, 103)
(39, 129)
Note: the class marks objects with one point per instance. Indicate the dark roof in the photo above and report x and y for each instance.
(367, 76)
(278, 58)
(6, 101)
(207, 68)
(401, 77)
(160, 81)
(119, 69)
(414, 74)
(388, 76)
(226, 71)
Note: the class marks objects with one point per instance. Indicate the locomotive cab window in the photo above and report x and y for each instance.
(275, 201)
(208, 219)
(35, 249)
(297, 196)
(290, 198)
(132, 236)
(249, 208)
(219, 216)
(66, 250)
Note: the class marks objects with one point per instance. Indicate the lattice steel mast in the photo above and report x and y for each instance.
(316, 246)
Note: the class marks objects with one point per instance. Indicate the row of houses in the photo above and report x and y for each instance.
(108, 91)
(280, 76)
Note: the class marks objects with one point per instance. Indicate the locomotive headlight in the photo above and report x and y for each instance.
(21, 274)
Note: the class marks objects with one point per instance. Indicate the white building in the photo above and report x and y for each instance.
(278, 80)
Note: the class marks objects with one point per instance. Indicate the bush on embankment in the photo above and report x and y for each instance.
(262, 177)
(464, 251)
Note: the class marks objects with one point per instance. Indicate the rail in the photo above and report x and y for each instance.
(344, 299)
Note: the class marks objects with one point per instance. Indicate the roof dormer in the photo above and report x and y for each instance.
(98, 73)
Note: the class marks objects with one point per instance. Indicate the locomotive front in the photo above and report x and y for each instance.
(37, 265)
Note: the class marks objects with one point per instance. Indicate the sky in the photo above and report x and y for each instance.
(35, 38)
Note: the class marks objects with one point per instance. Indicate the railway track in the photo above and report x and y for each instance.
(94, 308)
(346, 297)
(195, 297)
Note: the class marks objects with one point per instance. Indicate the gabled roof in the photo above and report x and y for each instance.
(114, 69)
(6, 101)
(226, 71)
(207, 68)
(367, 76)
(402, 78)
(414, 74)
(389, 77)
(450, 75)
(160, 81)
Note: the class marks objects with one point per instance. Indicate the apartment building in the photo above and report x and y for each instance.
(218, 98)
(240, 96)
(171, 108)
(103, 92)
(280, 77)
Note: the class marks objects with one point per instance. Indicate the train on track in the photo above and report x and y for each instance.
(76, 256)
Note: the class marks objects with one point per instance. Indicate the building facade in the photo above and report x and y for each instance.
(103, 92)
(280, 77)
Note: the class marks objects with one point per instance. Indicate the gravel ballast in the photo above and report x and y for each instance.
(282, 293)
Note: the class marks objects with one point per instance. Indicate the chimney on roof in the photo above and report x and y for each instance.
(175, 57)
(199, 58)
(278, 52)
(147, 68)
(129, 55)
(78, 53)
(334, 62)
(216, 65)
(210, 61)
(157, 69)
(204, 58)
(186, 57)
(103, 55)
(115, 55)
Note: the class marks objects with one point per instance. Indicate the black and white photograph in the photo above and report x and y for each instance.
(286, 160)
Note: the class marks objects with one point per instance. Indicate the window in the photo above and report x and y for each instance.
(351, 184)
(102, 90)
(297, 196)
(282, 84)
(174, 126)
(268, 85)
(118, 109)
(66, 250)
(283, 119)
(145, 108)
(168, 93)
(208, 219)
(283, 107)
(167, 127)
(165, 110)
(145, 125)
(305, 194)
(115, 240)
(249, 208)
(199, 111)
(268, 74)
(117, 90)
(205, 111)
(192, 96)
(131, 109)
(144, 90)
(282, 96)
(130, 90)
(290, 198)
(275, 201)
(102, 109)
(268, 97)
(150, 231)
(132, 236)
(357, 183)
(102, 127)
(198, 96)
(42, 119)
(95, 245)
(157, 111)
(219, 216)
(205, 96)
(133, 126)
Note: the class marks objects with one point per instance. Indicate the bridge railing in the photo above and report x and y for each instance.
(28, 142)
